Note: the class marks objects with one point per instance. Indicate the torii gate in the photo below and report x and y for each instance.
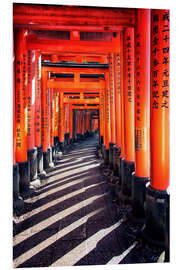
(75, 85)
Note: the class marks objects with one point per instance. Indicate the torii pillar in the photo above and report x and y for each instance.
(45, 134)
(17, 200)
(128, 162)
(117, 79)
(20, 109)
(107, 121)
(157, 206)
(112, 109)
(122, 155)
(142, 113)
(70, 124)
(37, 120)
(61, 120)
(31, 99)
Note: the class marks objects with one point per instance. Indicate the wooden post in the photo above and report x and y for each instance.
(20, 108)
(129, 151)
(142, 111)
(157, 210)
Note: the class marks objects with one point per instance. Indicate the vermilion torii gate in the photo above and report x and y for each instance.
(133, 105)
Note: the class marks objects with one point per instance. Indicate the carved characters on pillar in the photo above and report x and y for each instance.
(129, 94)
(38, 99)
(31, 99)
(20, 95)
(129, 42)
(112, 97)
(160, 31)
(117, 79)
(160, 59)
(142, 93)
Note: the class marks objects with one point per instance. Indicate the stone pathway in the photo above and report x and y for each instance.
(71, 218)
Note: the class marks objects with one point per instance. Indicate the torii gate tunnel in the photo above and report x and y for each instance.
(97, 70)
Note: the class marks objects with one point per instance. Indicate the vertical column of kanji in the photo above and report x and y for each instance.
(71, 122)
(103, 140)
(101, 119)
(112, 109)
(56, 120)
(65, 123)
(117, 149)
(107, 120)
(45, 134)
(68, 123)
(61, 120)
(52, 147)
(20, 109)
(37, 121)
(156, 195)
(49, 122)
(122, 103)
(142, 111)
(129, 161)
(16, 197)
(32, 150)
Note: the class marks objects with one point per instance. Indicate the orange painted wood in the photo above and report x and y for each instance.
(117, 79)
(142, 93)
(72, 17)
(67, 85)
(101, 114)
(14, 109)
(77, 57)
(37, 99)
(56, 112)
(54, 58)
(85, 107)
(103, 117)
(129, 144)
(160, 92)
(61, 117)
(74, 70)
(107, 112)
(70, 121)
(20, 95)
(45, 132)
(67, 118)
(122, 91)
(78, 122)
(71, 46)
(81, 101)
(112, 98)
(81, 122)
(51, 118)
(31, 100)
